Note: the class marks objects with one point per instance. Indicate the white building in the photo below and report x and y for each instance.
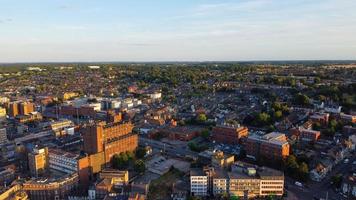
(62, 161)
(198, 182)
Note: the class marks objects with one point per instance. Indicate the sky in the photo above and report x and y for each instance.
(176, 30)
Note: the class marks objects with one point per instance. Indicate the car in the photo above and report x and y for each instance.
(346, 161)
(298, 184)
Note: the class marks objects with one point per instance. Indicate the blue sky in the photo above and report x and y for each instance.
(176, 30)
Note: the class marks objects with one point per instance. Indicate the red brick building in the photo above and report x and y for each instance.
(81, 111)
(112, 138)
(229, 134)
(272, 146)
(305, 134)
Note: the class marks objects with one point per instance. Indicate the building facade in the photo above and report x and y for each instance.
(273, 146)
(229, 134)
(112, 138)
(38, 161)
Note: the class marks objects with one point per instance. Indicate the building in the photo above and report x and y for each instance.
(69, 163)
(7, 175)
(2, 112)
(248, 181)
(26, 108)
(112, 117)
(20, 108)
(38, 161)
(13, 109)
(270, 147)
(13, 192)
(322, 118)
(304, 134)
(111, 182)
(61, 124)
(272, 182)
(309, 135)
(229, 134)
(182, 133)
(220, 160)
(53, 188)
(198, 182)
(117, 176)
(111, 139)
(244, 184)
(220, 182)
(3, 136)
(348, 118)
(348, 187)
(69, 95)
(30, 117)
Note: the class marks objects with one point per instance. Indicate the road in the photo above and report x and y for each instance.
(319, 189)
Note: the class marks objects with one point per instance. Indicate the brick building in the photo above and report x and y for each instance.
(272, 146)
(20, 108)
(112, 138)
(229, 134)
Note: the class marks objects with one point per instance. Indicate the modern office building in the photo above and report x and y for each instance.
(199, 182)
(244, 180)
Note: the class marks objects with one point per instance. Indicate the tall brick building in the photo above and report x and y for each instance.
(112, 138)
(20, 108)
(272, 146)
(229, 134)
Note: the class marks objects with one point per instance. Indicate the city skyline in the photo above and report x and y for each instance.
(138, 31)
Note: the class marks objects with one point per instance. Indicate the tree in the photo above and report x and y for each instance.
(202, 118)
(302, 99)
(140, 152)
(317, 126)
(121, 161)
(139, 166)
(303, 171)
(205, 134)
(263, 119)
(278, 115)
(337, 180)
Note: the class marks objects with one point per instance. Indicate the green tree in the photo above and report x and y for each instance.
(337, 180)
(263, 119)
(139, 166)
(205, 133)
(121, 161)
(140, 152)
(302, 99)
(278, 114)
(303, 171)
(202, 118)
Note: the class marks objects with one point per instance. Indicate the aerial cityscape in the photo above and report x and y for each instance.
(185, 100)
